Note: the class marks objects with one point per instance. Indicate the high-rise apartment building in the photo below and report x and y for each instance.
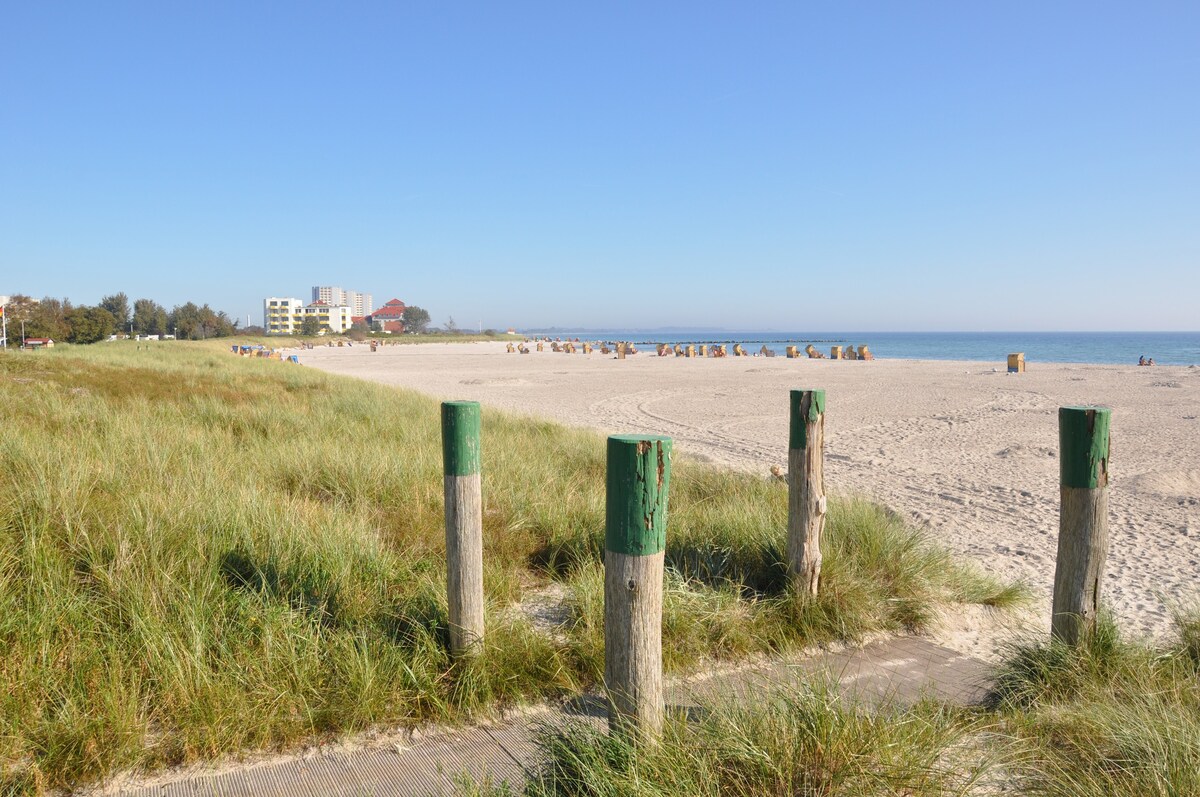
(360, 304)
(329, 294)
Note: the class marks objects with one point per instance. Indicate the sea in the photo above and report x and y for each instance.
(1120, 348)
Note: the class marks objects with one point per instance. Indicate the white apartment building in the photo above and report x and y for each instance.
(362, 304)
(284, 316)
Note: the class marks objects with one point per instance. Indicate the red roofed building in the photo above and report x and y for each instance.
(389, 318)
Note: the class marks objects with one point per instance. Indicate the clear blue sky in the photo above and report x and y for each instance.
(867, 166)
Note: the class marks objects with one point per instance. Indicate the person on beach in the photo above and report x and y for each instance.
(1142, 360)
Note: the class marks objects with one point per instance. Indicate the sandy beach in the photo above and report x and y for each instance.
(961, 448)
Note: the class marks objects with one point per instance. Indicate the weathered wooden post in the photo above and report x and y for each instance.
(639, 475)
(806, 488)
(464, 524)
(1083, 520)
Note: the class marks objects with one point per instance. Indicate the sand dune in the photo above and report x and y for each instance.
(962, 448)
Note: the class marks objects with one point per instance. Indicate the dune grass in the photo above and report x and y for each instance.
(806, 741)
(1112, 718)
(201, 554)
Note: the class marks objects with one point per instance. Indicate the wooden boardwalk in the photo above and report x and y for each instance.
(900, 670)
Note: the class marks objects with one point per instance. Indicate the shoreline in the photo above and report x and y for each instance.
(958, 447)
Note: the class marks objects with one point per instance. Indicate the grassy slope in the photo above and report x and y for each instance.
(201, 553)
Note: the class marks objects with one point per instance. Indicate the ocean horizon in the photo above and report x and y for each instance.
(1093, 348)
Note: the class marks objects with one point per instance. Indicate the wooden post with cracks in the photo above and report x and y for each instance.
(806, 488)
(639, 475)
(464, 524)
(1083, 441)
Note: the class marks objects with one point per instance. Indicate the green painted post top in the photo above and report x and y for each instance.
(799, 420)
(1083, 446)
(639, 475)
(460, 437)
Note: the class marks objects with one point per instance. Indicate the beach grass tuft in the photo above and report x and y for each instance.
(1111, 717)
(808, 740)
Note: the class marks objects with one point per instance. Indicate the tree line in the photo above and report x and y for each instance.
(59, 319)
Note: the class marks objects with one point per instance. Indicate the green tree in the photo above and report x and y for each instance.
(118, 306)
(197, 323)
(210, 322)
(225, 326)
(89, 324)
(310, 325)
(415, 319)
(48, 319)
(20, 308)
(185, 320)
(150, 318)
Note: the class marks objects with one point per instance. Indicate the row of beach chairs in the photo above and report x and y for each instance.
(703, 350)
(837, 353)
(264, 353)
(569, 347)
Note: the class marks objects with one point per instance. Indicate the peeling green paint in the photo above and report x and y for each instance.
(799, 418)
(460, 437)
(1083, 437)
(639, 478)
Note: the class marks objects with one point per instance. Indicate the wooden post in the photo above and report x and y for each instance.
(806, 488)
(639, 475)
(1083, 520)
(464, 524)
